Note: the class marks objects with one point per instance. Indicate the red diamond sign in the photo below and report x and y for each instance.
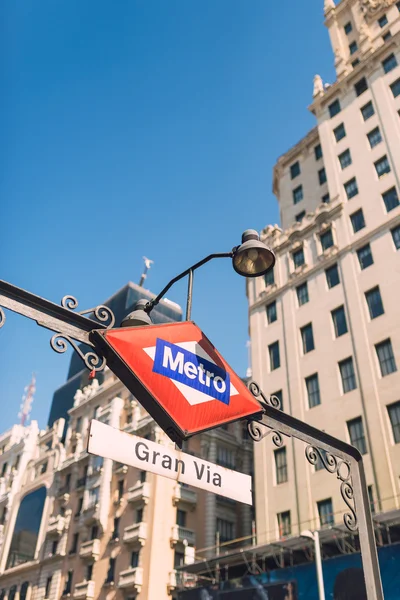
(177, 375)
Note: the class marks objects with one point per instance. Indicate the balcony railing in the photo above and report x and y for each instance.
(90, 513)
(135, 533)
(56, 525)
(84, 589)
(180, 534)
(139, 492)
(185, 494)
(81, 482)
(90, 549)
(131, 578)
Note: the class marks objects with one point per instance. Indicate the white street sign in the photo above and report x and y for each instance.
(134, 451)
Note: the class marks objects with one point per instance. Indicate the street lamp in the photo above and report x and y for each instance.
(252, 258)
(314, 536)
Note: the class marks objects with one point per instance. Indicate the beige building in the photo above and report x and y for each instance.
(325, 326)
(107, 531)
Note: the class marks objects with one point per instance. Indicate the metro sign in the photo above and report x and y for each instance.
(177, 375)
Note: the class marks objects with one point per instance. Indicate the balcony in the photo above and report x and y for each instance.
(90, 514)
(185, 494)
(139, 492)
(120, 468)
(84, 589)
(135, 533)
(81, 482)
(131, 578)
(90, 549)
(56, 525)
(180, 534)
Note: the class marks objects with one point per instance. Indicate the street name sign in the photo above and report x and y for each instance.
(178, 376)
(108, 442)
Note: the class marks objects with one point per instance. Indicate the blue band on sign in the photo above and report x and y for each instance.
(182, 365)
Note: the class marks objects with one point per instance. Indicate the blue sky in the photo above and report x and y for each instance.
(142, 128)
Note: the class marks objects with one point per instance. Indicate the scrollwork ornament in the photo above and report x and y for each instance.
(69, 302)
(258, 393)
(102, 314)
(93, 362)
(350, 519)
(256, 431)
(2, 317)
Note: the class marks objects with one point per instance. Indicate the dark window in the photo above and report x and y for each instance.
(374, 137)
(357, 220)
(357, 436)
(297, 194)
(339, 321)
(332, 276)
(78, 425)
(79, 506)
(365, 256)
(353, 47)
(295, 170)
(134, 559)
(67, 481)
(387, 36)
(348, 28)
(322, 176)
(279, 395)
(12, 592)
(355, 62)
(347, 374)
(394, 416)
(389, 63)
(226, 530)
(325, 199)
(351, 188)
(374, 301)
(281, 465)
(74, 546)
(115, 533)
(318, 152)
(307, 338)
(371, 499)
(312, 385)
(274, 358)
(271, 312)
(383, 21)
(326, 239)
(269, 278)
(89, 572)
(47, 589)
(298, 258)
(302, 293)
(367, 110)
(111, 569)
(120, 489)
(284, 524)
(339, 132)
(179, 559)
(395, 87)
(391, 199)
(300, 216)
(4, 469)
(94, 532)
(385, 355)
(325, 512)
(68, 583)
(382, 166)
(142, 476)
(54, 545)
(181, 518)
(345, 159)
(139, 515)
(361, 86)
(334, 108)
(396, 237)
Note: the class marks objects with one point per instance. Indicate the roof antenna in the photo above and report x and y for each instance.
(27, 399)
(147, 266)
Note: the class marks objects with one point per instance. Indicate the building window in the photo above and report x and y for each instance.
(396, 237)
(54, 546)
(387, 36)
(179, 559)
(357, 436)
(345, 159)
(353, 47)
(297, 194)
(74, 547)
(361, 86)
(271, 312)
(355, 63)
(391, 199)
(371, 499)
(226, 457)
(298, 258)
(134, 559)
(339, 132)
(351, 188)
(394, 416)
(312, 385)
(181, 518)
(79, 506)
(382, 21)
(374, 301)
(269, 278)
(339, 321)
(307, 338)
(279, 396)
(325, 512)
(334, 108)
(357, 220)
(47, 588)
(318, 152)
(115, 533)
(68, 583)
(365, 257)
(385, 355)
(374, 137)
(367, 110)
(274, 357)
(300, 216)
(120, 489)
(78, 425)
(295, 170)
(142, 476)
(326, 239)
(332, 276)
(395, 87)
(226, 530)
(382, 166)
(111, 569)
(325, 199)
(302, 293)
(348, 28)
(389, 63)
(347, 374)
(284, 524)
(139, 515)
(281, 466)
(4, 469)
(322, 176)
(89, 572)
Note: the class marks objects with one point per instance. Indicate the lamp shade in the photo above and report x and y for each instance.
(252, 258)
(138, 317)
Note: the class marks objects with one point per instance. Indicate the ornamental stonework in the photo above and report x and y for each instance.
(371, 7)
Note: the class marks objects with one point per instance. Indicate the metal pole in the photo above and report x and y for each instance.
(318, 565)
(189, 295)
